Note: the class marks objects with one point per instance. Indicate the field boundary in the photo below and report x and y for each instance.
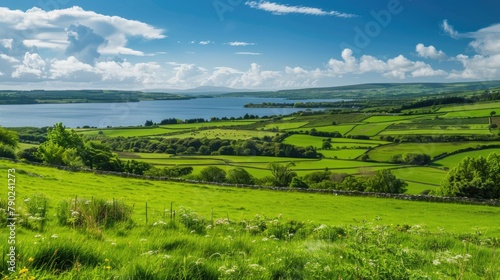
(409, 197)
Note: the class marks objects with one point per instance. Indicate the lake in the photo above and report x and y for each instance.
(136, 113)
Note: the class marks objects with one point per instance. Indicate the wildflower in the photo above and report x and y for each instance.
(31, 278)
(54, 236)
(31, 259)
(106, 260)
(108, 267)
(143, 240)
(436, 262)
(24, 270)
(27, 200)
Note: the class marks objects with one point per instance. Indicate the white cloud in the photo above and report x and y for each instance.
(449, 29)
(486, 63)
(430, 52)
(255, 77)
(240, 44)
(280, 9)
(248, 53)
(8, 58)
(398, 67)
(205, 42)
(32, 64)
(48, 29)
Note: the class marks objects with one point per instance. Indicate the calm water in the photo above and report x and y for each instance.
(135, 113)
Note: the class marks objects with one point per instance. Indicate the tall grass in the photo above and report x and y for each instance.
(193, 247)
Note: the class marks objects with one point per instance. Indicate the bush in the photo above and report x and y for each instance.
(7, 152)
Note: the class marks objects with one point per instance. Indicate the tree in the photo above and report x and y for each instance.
(282, 174)
(8, 138)
(473, 177)
(239, 176)
(492, 113)
(327, 145)
(213, 174)
(384, 181)
(297, 183)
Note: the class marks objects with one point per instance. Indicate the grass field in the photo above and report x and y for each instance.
(371, 129)
(245, 204)
(471, 107)
(437, 131)
(285, 126)
(392, 119)
(385, 153)
(130, 132)
(343, 154)
(453, 160)
(230, 134)
(317, 142)
(239, 233)
(209, 124)
(342, 129)
(469, 113)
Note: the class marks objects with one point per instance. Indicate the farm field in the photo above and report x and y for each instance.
(342, 129)
(453, 160)
(317, 142)
(385, 153)
(129, 132)
(437, 131)
(217, 230)
(371, 129)
(392, 119)
(231, 134)
(471, 107)
(209, 124)
(343, 153)
(469, 113)
(245, 203)
(285, 126)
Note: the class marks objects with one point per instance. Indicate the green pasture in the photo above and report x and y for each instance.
(245, 203)
(342, 129)
(470, 113)
(436, 131)
(424, 175)
(453, 160)
(389, 118)
(231, 134)
(131, 132)
(385, 153)
(471, 107)
(209, 124)
(302, 140)
(285, 126)
(343, 153)
(371, 129)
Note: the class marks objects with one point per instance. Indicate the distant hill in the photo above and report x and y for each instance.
(204, 90)
(385, 90)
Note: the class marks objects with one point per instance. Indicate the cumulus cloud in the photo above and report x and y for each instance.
(280, 9)
(205, 42)
(398, 67)
(430, 52)
(33, 65)
(48, 29)
(83, 43)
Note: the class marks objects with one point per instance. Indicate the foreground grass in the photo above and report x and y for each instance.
(246, 203)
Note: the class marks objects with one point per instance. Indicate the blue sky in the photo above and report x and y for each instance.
(155, 44)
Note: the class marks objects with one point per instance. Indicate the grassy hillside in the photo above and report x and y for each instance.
(241, 233)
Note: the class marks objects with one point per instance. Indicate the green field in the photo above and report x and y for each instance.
(383, 119)
(469, 113)
(385, 153)
(317, 142)
(371, 129)
(343, 153)
(245, 204)
(129, 132)
(471, 107)
(209, 124)
(247, 234)
(437, 131)
(453, 160)
(285, 126)
(342, 129)
(231, 134)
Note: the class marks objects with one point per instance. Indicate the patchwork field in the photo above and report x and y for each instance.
(385, 153)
